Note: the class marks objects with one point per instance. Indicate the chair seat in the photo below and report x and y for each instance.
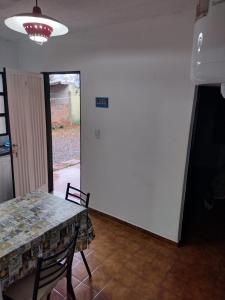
(23, 288)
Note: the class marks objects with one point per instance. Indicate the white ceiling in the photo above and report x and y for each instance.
(81, 15)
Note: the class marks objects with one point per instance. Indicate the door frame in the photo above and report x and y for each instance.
(8, 129)
(48, 124)
(191, 138)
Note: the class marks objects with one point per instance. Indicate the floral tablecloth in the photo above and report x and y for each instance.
(36, 224)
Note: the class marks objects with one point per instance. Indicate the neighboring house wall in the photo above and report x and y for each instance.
(59, 91)
(74, 93)
(65, 105)
(135, 171)
(60, 105)
(60, 112)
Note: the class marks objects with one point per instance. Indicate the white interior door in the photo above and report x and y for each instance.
(28, 130)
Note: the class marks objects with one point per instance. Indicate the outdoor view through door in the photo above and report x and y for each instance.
(65, 124)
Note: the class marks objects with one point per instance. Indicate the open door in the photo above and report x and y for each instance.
(63, 119)
(28, 130)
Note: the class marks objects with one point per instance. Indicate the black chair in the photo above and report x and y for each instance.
(49, 271)
(77, 196)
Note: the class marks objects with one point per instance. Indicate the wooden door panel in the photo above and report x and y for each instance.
(28, 130)
(17, 94)
(37, 128)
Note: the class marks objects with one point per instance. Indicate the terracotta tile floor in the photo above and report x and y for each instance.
(129, 265)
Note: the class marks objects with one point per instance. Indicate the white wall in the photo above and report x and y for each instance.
(135, 170)
(9, 56)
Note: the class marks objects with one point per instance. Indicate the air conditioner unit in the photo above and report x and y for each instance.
(208, 58)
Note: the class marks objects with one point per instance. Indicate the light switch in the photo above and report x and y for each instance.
(97, 134)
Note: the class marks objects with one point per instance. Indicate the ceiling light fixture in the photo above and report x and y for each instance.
(38, 26)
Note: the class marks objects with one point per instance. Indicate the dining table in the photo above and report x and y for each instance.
(35, 225)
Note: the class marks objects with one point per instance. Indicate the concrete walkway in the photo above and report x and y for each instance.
(66, 144)
(63, 176)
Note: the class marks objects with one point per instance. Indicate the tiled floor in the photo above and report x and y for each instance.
(129, 265)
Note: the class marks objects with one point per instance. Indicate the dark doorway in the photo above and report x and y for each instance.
(204, 209)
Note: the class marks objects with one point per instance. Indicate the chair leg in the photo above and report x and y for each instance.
(70, 291)
(86, 264)
(6, 297)
(48, 297)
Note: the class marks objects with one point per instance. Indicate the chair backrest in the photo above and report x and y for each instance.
(51, 269)
(75, 195)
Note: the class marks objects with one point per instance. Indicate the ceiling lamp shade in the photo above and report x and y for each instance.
(37, 26)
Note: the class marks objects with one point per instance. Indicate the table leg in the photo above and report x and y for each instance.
(1, 296)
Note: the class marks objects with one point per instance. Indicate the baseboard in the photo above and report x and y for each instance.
(156, 236)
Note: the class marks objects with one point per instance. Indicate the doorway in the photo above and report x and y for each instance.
(204, 208)
(63, 126)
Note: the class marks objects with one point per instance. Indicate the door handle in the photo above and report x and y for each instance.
(15, 149)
